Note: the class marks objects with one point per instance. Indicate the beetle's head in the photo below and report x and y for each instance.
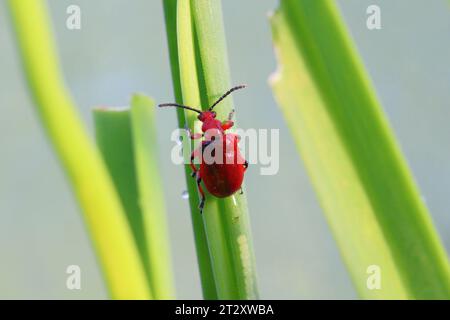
(208, 117)
(210, 123)
(209, 120)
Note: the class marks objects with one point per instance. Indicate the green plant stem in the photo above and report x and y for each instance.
(204, 76)
(233, 217)
(368, 195)
(151, 196)
(114, 139)
(92, 185)
(191, 96)
(203, 256)
(127, 141)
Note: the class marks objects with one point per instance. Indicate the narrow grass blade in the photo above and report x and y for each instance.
(203, 256)
(218, 214)
(368, 195)
(226, 220)
(151, 196)
(230, 257)
(92, 185)
(128, 151)
(113, 134)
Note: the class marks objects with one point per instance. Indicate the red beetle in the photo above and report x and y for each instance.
(222, 178)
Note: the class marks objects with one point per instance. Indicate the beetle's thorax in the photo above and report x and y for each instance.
(209, 121)
(211, 127)
(212, 124)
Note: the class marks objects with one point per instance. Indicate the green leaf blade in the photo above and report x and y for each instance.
(232, 216)
(369, 197)
(204, 76)
(151, 198)
(91, 183)
(115, 142)
(127, 141)
(171, 9)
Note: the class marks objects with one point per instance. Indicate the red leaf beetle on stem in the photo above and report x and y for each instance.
(222, 178)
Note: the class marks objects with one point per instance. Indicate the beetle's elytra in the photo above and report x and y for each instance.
(224, 178)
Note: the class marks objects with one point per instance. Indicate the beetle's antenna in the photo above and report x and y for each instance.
(242, 86)
(178, 106)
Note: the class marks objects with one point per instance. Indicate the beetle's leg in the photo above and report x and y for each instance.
(194, 154)
(228, 123)
(245, 169)
(230, 115)
(202, 194)
(192, 136)
(195, 136)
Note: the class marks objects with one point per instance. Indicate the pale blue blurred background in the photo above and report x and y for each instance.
(121, 49)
